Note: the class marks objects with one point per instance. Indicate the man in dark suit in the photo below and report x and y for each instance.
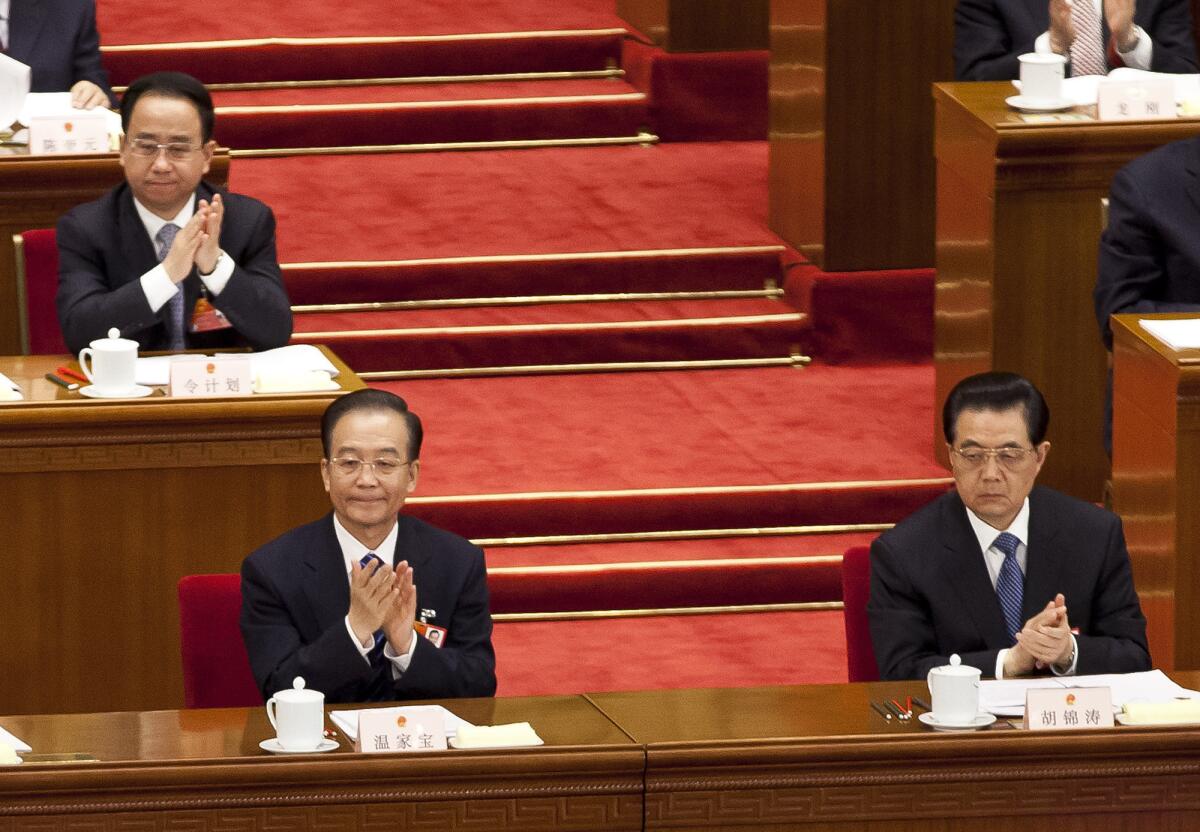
(164, 257)
(59, 42)
(1000, 571)
(1143, 34)
(359, 633)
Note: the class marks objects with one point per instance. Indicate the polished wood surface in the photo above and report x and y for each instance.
(699, 25)
(818, 757)
(851, 170)
(34, 192)
(1018, 225)
(1156, 483)
(105, 505)
(203, 770)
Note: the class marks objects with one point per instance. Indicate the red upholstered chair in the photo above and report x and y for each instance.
(37, 281)
(856, 587)
(216, 669)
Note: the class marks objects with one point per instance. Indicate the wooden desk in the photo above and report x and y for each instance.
(1156, 483)
(817, 757)
(1018, 225)
(203, 770)
(105, 505)
(35, 191)
(851, 170)
(699, 25)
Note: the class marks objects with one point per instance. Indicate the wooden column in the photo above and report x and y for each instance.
(852, 176)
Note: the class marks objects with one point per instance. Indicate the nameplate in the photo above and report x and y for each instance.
(401, 730)
(1136, 100)
(86, 132)
(222, 375)
(1058, 709)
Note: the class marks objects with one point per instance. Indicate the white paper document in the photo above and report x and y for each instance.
(9, 390)
(1006, 697)
(348, 720)
(1180, 334)
(155, 370)
(17, 745)
(59, 104)
(5, 381)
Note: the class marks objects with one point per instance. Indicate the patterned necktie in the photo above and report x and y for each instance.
(1010, 583)
(175, 339)
(376, 652)
(1087, 51)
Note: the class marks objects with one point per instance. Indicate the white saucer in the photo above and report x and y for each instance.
(1038, 105)
(137, 391)
(274, 747)
(982, 720)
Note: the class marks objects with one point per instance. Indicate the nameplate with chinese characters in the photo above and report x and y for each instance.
(222, 375)
(408, 728)
(86, 132)
(1058, 709)
(1136, 100)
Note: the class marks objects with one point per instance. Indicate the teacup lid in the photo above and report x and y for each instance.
(298, 693)
(956, 667)
(114, 341)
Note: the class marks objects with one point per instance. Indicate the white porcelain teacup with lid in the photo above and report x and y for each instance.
(954, 692)
(113, 366)
(298, 717)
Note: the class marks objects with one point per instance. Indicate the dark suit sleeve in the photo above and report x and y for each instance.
(86, 55)
(1114, 640)
(1174, 40)
(330, 664)
(466, 665)
(87, 304)
(983, 47)
(255, 300)
(1131, 274)
(902, 628)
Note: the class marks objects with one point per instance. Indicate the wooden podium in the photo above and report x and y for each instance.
(1018, 225)
(105, 505)
(35, 191)
(851, 171)
(1156, 483)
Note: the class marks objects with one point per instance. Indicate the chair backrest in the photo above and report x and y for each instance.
(37, 283)
(216, 669)
(856, 588)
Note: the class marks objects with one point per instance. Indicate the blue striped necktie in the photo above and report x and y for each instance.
(176, 340)
(1010, 583)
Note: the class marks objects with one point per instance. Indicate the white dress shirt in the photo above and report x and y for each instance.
(1138, 58)
(157, 286)
(353, 551)
(994, 558)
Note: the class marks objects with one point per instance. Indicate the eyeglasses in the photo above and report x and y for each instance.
(1011, 459)
(176, 151)
(383, 468)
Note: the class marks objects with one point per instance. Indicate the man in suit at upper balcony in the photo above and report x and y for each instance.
(1094, 36)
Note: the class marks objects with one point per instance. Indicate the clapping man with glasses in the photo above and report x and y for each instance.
(1015, 578)
(164, 257)
(367, 603)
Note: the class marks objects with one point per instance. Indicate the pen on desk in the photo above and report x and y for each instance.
(881, 711)
(894, 710)
(921, 703)
(908, 706)
(329, 735)
(900, 712)
(69, 373)
(66, 385)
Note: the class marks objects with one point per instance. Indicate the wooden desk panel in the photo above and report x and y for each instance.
(1018, 225)
(203, 770)
(817, 757)
(104, 505)
(851, 129)
(699, 25)
(35, 191)
(1156, 484)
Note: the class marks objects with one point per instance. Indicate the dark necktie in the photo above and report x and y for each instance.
(175, 337)
(376, 653)
(1010, 583)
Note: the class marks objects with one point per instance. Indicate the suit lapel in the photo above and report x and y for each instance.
(25, 20)
(1044, 561)
(328, 592)
(965, 570)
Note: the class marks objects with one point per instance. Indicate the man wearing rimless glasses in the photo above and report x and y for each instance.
(164, 257)
(1016, 578)
(367, 603)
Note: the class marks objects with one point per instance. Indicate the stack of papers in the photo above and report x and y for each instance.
(1179, 334)
(292, 360)
(17, 745)
(59, 104)
(1006, 697)
(10, 391)
(515, 735)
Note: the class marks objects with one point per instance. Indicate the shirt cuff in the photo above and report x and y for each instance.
(157, 287)
(1142, 53)
(362, 651)
(1070, 669)
(221, 273)
(400, 661)
(1000, 657)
